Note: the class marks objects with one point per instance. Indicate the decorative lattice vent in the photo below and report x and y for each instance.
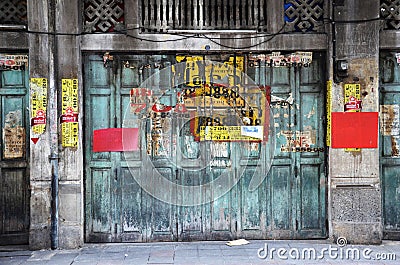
(103, 15)
(304, 15)
(390, 12)
(13, 12)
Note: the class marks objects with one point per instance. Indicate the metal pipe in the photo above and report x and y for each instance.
(54, 200)
(53, 123)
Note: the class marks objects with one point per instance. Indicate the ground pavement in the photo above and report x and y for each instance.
(208, 253)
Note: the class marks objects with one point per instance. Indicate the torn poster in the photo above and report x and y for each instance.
(390, 120)
(14, 136)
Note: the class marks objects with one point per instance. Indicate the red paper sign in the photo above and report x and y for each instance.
(354, 129)
(115, 140)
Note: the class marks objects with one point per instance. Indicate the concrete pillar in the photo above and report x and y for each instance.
(40, 170)
(55, 57)
(69, 66)
(355, 192)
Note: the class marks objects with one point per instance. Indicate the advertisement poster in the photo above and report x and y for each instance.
(226, 99)
(38, 104)
(69, 113)
(231, 133)
(352, 103)
(352, 98)
(13, 136)
(13, 62)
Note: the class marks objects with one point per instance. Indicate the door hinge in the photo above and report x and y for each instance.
(297, 225)
(295, 119)
(296, 171)
(116, 173)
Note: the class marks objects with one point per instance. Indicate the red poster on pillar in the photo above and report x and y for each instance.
(354, 129)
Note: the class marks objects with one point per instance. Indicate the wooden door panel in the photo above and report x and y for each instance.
(131, 207)
(390, 144)
(269, 211)
(14, 158)
(101, 200)
(280, 198)
(311, 193)
(191, 218)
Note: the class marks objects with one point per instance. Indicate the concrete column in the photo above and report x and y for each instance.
(56, 56)
(40, 170)
(69, 66)
(355, 192)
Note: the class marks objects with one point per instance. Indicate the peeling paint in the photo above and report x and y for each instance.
(395, 140)
(311, 113)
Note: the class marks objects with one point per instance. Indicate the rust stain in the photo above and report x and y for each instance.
(395, 146)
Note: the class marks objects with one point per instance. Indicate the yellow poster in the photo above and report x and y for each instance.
(352, 103)
(231, 133)
(218, 89)
(38, 104)
(352, 98)
(69, 113)
(328, 112)
(212, 83)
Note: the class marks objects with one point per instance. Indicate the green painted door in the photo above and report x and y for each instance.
(180, 170)
(14, 174)
(296, 204)
(390, 143)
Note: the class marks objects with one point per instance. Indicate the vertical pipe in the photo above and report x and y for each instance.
(53, 124)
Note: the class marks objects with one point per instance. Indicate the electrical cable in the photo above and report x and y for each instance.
(203, 36)
(246, 47)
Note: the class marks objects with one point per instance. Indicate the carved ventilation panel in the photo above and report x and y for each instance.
(304, 15)
(103, 15)
(162, 15)
(390, 11)
(13, 12)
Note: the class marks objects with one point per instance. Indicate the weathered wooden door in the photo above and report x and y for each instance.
(296, 193)
(14, 175)
(116, 207)
(390, 143)
(151, 194)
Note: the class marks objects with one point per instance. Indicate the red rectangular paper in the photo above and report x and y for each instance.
(115, 140)
(354, 130)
